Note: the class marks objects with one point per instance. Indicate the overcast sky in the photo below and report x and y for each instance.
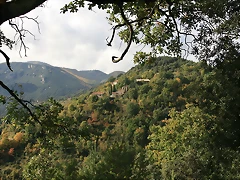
(75, 40)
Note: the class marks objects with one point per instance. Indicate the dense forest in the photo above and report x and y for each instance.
(168, 119)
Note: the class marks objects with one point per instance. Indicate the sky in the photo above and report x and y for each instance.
(72, 40)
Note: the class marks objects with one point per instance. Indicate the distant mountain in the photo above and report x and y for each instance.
(116, 73)
(93, 77)
(39, 63)
(40, 81)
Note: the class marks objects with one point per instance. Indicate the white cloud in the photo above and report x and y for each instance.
(70, 40)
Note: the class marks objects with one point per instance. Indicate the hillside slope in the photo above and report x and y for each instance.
(172, 119)
(93, 77)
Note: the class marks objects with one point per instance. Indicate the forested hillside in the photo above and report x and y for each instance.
(169, 119)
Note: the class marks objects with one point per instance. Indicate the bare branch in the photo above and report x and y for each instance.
(113, 34)
(21, 32)
(33, 19)
(20, 38)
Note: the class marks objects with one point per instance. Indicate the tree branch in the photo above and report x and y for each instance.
(19, 101)
(109, 43)
(7, 59)
(17, 8)
(129, 25)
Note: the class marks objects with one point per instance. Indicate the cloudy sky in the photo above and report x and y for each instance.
(70, 40)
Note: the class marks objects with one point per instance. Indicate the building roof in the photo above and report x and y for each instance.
(98, 93)
(140, 80)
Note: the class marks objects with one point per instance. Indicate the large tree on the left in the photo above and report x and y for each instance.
(16, 8)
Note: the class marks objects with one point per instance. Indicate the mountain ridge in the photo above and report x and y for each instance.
(39, 80)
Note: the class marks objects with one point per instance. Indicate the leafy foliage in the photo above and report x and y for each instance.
(178, 125)
(207, 29)
(5, 41)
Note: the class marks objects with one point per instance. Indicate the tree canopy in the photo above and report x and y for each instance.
(208, 29)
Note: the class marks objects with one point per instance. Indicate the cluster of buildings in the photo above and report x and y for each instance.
(119, 92)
